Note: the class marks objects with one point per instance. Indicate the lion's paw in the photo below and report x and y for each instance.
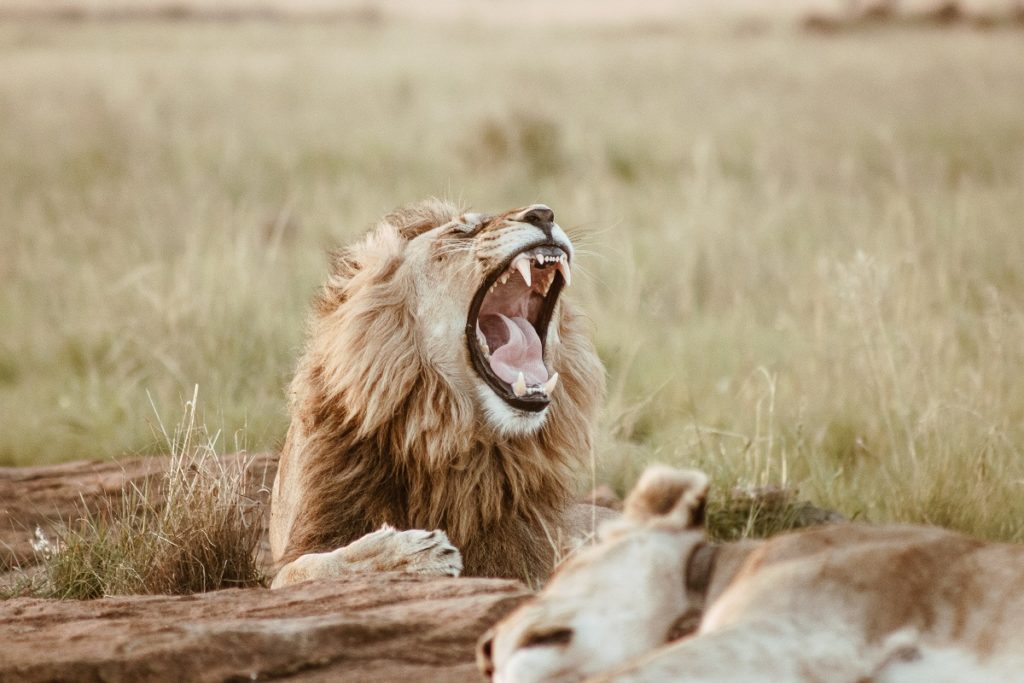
(417, 551)
(385, 550)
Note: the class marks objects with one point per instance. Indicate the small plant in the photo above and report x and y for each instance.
(192, 530)
(760, 512)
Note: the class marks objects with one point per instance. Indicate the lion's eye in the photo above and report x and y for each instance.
(460, 230)
(684, 625)
(553, 636)
(470, 224)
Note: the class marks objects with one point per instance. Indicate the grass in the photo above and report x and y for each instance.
(802, 260)
(192, 531)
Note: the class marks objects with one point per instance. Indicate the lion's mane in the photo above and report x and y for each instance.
(379, 436)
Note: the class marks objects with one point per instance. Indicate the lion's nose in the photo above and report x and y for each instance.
(539, 215)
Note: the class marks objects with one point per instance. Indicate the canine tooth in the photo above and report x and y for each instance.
(482, 340)
(519, 388)
(549, 386)
(523, 266)
(563, 268)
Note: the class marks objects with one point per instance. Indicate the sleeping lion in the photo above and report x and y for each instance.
(844, 603)
(445, 400)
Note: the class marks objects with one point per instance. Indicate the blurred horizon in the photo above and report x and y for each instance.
(748, 14)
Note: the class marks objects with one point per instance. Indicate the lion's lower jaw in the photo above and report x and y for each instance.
(505, 419)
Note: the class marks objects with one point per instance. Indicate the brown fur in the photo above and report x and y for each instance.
(382, 437)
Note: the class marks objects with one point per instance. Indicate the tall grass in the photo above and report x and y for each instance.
(800, 254)
(193, 530)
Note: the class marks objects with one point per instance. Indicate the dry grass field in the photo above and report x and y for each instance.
(803, 253)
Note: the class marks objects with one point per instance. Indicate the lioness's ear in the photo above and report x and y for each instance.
(670, 497)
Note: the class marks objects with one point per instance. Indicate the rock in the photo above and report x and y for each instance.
(782, 501)
(762, 511)
(373, 627)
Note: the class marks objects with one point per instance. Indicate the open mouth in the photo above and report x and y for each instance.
(508, 323)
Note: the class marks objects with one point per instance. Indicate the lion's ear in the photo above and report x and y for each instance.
(670, 497)
(377, 251)
(369, 262)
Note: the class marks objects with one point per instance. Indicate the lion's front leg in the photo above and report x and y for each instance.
(385, 550)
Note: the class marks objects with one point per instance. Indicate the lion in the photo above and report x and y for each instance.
(654, 600)
(445, 385)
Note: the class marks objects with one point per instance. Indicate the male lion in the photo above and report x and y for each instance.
(445, 385)
(845, 603)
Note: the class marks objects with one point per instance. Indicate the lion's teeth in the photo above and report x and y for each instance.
(540, 259)
(523, 266)
(519, 388)
(549, 386)
(504, 278)
(482, 340)
(563, 267)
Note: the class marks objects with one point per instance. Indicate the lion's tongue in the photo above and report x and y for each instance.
(521, 353)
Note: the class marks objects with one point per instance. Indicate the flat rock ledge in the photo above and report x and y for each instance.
(368, 627)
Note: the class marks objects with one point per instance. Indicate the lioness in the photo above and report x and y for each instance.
(445, 385)
(842, 603)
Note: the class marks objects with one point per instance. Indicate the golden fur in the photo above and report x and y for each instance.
(846, 602)
(388, 427)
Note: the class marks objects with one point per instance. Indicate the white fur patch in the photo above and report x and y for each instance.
(561, 238)
(508, 420)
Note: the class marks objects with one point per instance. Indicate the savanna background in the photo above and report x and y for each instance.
(802, 225)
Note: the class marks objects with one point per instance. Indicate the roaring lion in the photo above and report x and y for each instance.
(656, 601)
(445, 385)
